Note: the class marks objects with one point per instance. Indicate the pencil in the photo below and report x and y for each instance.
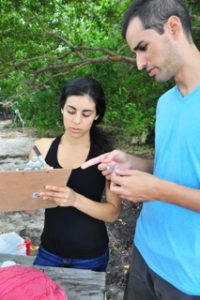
(39, 155)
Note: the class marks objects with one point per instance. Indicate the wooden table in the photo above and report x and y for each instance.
(78, 284)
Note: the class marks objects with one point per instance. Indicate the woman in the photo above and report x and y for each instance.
(74, 233)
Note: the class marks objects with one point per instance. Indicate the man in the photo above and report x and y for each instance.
(166, 258)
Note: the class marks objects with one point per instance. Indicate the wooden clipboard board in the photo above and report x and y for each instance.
(18, 188)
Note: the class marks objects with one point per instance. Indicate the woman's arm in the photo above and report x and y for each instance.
(107, 211)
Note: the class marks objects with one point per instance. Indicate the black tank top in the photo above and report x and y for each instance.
(68, 232)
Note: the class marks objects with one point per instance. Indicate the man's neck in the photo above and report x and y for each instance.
(188, 78)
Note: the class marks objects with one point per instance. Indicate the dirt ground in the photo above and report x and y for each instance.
(121, 237)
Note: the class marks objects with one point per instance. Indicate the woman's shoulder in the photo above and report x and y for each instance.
(43, 145)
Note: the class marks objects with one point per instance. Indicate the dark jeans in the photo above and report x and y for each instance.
(45, 258)
(144, 284)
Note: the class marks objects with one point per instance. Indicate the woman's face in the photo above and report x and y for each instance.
(79, 113)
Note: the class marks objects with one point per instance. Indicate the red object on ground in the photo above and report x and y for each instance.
(28, 246)
(28, 283)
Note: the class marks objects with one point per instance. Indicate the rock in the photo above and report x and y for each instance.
(139, 139)
(4, 123)
(14, 148)
(115, 293)
(15, 143)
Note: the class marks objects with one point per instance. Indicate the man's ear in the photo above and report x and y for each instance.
(96, 118)
(173, 26)
(61, 111)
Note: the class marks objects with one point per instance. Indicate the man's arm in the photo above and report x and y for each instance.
(142, 164)
(180, 195)
(131, 180)
(119, 160)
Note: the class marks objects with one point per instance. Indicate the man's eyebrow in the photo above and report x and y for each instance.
(138, 46)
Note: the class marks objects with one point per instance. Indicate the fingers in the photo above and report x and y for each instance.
(60, 195)
(118, 184)
(48, 167)
(52, 195)
(107, 169)
(117, 189)
(104, 158)
(125, 172)
(56, 188)
(58, 199)
(107, 174)
(93, 161)
(116, 179)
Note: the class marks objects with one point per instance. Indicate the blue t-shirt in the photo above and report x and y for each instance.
(167, 235)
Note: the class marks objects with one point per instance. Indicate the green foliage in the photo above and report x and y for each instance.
(46, 43)
(41, 111)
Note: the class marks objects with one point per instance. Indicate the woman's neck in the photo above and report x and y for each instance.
(83, 141)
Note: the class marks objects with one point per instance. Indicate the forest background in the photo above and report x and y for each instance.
(46, 43)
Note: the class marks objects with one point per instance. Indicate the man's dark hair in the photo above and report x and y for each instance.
(155, 13)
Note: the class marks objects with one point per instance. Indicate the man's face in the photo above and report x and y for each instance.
(154, 52)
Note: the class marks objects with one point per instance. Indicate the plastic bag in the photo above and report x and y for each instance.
(34, 164)
(12, 243)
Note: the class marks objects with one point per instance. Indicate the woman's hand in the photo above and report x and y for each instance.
(62, 196)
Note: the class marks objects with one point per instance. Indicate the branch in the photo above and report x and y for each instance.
(45, 83)
(8, 102)
(111, 56)
(86, 62)
(68, 43)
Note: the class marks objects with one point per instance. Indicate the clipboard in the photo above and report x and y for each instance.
(19, 189)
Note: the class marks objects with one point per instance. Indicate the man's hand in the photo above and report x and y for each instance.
(135, 186)
(109, 162)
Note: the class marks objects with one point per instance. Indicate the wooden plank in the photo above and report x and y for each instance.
(18, 188)
(78, 284)
(19, 259)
